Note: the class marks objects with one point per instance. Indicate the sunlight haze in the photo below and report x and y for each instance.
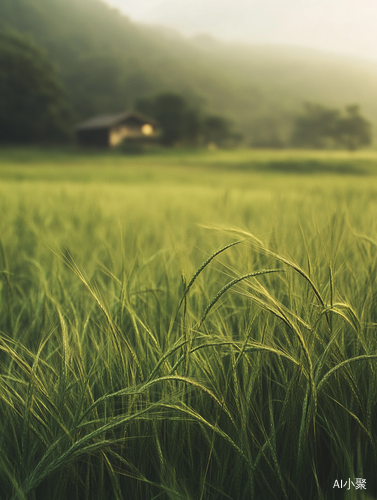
(342, 26)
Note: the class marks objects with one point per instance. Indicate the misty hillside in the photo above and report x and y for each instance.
(107, 62)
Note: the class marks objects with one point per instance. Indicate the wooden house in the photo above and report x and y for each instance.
(110, 130)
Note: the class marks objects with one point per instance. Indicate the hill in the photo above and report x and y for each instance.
(107, 62)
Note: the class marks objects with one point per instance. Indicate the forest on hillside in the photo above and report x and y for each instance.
(108, 64)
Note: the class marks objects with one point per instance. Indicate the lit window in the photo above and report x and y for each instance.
(147, 129)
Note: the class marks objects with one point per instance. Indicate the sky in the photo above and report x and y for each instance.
(341, 26)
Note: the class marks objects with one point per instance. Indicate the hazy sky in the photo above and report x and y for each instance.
(345, 26)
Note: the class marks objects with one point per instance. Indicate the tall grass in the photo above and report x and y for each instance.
(145, 356)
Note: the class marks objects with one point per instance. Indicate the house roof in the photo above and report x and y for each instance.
(108, 121)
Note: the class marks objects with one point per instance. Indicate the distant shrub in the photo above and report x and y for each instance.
(321, 127)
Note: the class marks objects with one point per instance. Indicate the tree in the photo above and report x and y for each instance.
(179, 123)
(185, 124)
(316, 127)
(354, 131)
(321, 127)
(192, 127)
(218, 130)
(170, 111)
(33, 103)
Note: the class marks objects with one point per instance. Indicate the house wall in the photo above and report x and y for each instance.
(132, 131)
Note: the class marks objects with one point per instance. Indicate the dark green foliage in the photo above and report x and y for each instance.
(219, 130)
(171, 112)
(316, 127)
(354, 131)
(193, 127)
(33, 103)
(321, 127)
(182, 124)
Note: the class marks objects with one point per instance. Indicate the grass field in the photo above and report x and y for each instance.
(187, 325)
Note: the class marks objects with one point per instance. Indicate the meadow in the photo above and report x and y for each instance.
(188, 325)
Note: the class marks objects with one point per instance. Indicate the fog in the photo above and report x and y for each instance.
(341, 26)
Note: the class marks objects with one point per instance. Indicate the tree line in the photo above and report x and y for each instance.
(35, 107)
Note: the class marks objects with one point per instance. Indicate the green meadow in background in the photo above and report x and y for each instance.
(187, 325)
